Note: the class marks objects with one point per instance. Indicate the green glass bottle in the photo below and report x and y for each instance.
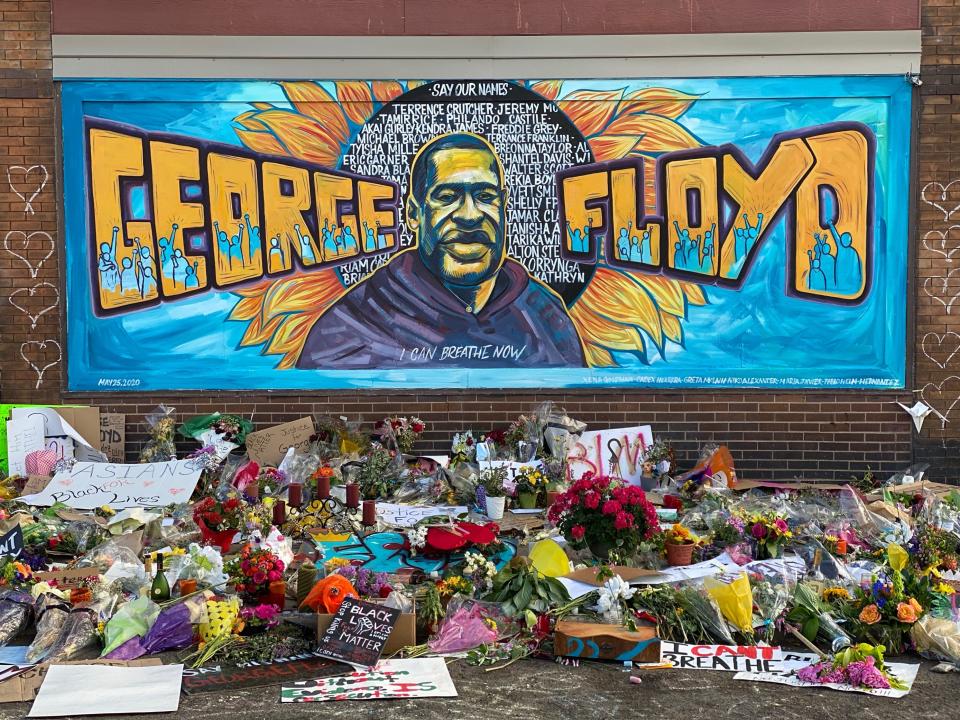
(160, 589)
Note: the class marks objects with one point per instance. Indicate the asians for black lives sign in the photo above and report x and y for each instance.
(731, 658)
(89, 485)
(358, 633)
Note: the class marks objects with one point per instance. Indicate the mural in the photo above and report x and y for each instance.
(715, 232)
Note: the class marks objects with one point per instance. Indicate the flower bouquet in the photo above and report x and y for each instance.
(814, 617)
(366, 582)
(860, 667)
(218, 521)
(254, 571)
(259, 619)
(406, 431)
(679, 543)
(530, 483)
(604, 515)
(463, 449)
(769, 530)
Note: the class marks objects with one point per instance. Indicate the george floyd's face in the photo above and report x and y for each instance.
(460, 223)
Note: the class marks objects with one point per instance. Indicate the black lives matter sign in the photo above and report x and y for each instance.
(358, 633)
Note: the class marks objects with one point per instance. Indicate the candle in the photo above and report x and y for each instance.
(552, 496)
(841, 547)
(323, 487)
(295, 495)
(353, 496)
(279, 513)
(187, 586)
(369, 512)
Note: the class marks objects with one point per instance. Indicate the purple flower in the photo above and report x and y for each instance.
(811, 673)
(758, 531)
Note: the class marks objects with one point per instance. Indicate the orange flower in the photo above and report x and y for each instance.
(906, 613)
(325, 471)
(870, 615)
(915, 605)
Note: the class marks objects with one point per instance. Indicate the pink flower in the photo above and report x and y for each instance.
(758, 531)
(591, 500)
(578, 531)
(623, 521)
(611, 507)
(259, 578)
(245, 565)
(782, 526)
(274, 575)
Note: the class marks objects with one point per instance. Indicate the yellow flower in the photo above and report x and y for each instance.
(836, 593)
(945, 589)
(107, 510)
(334, 563)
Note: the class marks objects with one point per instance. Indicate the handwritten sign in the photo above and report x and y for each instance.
(792, 662)
(409, 515)
(358, 633)
(12, 542)
(256, 674)
(90, 485)
(24, 436)
(730, 658)
(113, 436)
(617, 452)
(267, 447)
(390, 679)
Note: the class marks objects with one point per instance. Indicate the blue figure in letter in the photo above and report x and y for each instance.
(575, 237)
(306, 248)
(107, 264)
(166, 251)
(815, 278)
(128, 276)
(683, 246)
(349, 241)
(849, 268)
(276, 254)
(253, 237)
(223, 243)
(828, 263)
(646, 255)
(235, 244)
(369, 239)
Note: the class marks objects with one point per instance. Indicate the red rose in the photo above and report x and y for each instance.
(671, 502)
(419, 427)
(578, 531)
(231, 504)
(214, 518)
(611, 507)
(591, 500)
(385, 591)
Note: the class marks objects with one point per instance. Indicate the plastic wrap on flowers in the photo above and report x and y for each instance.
(16, 610)
(79, 634)
(463, 629)
(734, 598)
(132, 620)
(707, 612)
(937, 638)
(171, 631)
(52, 613)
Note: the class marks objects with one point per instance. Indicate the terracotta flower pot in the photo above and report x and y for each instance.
(679, 555)
(528, 501)
(222, 539)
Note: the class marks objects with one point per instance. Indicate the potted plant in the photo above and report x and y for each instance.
(530, 483)
(219, 522)
(604, 515)
(492, 481)
(679, 542)
(253, 572)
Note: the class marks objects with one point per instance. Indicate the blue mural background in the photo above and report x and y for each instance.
(756, 336)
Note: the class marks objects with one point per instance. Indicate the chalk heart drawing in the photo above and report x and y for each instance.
(27, 183)
(943, 396)
(945, 242)
(25, 240)
(936, 346)
(945, 198)
(38, 354)
(938, 288)
(31, 292)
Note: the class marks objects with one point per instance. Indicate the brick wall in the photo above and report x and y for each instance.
(780, 435)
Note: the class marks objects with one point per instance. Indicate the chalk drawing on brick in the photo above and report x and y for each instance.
(26, 241)
(943, 242)
(939, 289)
(21, 294)
(38, 355)
(944, 198)
(943, 397)
(27, 183)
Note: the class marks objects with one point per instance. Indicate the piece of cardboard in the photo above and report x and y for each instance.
(267, 447)
(86, 421)
(601, 641)
(404, 632)
(66, 578)
(743, 485)
(588, 575)
(113, 436)
(36, 483)
(24, 687)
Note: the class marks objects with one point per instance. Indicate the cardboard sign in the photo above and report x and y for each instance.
(12, 542)
(24, 436)
(89, 485)
(792, 662)
(81, 424)
(257, 674)
(617, 452)
(24, 687)
(588, 575)
(390, 679)
(358, 633)
(409, 515)
(35, 484)
(113, 436)
(729, 658)
(267, 447)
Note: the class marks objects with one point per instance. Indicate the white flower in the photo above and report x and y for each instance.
(417, 538)
(619, 589)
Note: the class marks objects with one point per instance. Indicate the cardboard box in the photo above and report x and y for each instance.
(404, 632)
(597, 641)
(24, 687)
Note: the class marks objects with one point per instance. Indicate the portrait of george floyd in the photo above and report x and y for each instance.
(457, 289)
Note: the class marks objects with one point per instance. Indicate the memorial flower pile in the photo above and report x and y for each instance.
(254, 570)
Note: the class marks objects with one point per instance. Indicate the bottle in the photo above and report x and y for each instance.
(160, 589)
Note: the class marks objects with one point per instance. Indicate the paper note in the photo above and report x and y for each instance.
(87, 485)
(101, 689)
(24, 436)
(267, 447)
(113, 436)
(390, 679)
(729, 658)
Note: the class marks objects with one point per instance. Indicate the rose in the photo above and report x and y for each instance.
(259, 578)
(870, 615)
(274, 575)
(915, 605)
(419, 427)
(782, 526)
(906, 613)
(578, 531)
(758, 531)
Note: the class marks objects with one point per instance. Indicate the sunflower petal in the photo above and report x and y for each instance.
(549, 89)
(312, 100)
(662, 135)
(657, 101)
(356, 99)
(302, 136)
(590, 110)
(260, 142)
(612, 147)
(597, 356)
(386, 90)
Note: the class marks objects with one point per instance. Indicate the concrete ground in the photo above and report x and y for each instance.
(542, 689)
